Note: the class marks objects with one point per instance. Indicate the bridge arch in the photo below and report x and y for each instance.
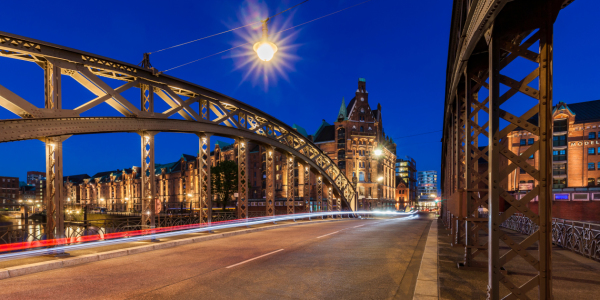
(217, 114)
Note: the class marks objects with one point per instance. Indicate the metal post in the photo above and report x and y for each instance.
(148, 179)
(242, 203)
(147, 98)
(290, 185)
(306, 188)
(270, 184)
(55, 227)
(320, 192)
(204, 164)
(329, 201)
(545, 155)
(494, 276)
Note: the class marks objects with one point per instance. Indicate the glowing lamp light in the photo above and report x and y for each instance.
(265, 49)
(377, 152)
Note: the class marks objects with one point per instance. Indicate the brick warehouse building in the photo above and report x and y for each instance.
(357, 143)
(576, 161)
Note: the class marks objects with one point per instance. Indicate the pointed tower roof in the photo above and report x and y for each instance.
(343, 114)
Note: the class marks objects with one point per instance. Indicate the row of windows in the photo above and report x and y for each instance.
(592, 166)
(526, 142)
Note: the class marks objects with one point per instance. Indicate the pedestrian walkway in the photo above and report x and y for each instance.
(574, 276)
(427, 281)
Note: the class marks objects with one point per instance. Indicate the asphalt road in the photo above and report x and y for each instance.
(350, 259)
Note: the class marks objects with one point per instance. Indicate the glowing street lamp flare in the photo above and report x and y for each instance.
(377, 152)
(265, 49)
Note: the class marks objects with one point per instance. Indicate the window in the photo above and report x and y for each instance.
(591, 151)
(531, 156)
(522, 171)
(361, 176)
(560, 125)
(591, 166)
(362, 129)
(523, 142)
(530, 141)
(341, 154)
(341, 164)
(591, 182)
(592, 135)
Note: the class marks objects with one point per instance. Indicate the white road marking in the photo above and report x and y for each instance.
(328, 234)
(359, 226)
(253, 259)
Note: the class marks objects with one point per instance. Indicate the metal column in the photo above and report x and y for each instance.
(205, 179)
(55, 227)
(242, 202)
(320, 193)
(290, 185)
(306, 188)
(148, 179)
(270, 178)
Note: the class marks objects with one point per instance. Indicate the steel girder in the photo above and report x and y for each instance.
(290, 184)
(242, 202)
(214, 108)
(486, 36)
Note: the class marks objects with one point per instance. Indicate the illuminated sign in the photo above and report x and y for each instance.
(562, 197)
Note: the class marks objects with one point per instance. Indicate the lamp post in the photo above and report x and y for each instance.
(355, 183)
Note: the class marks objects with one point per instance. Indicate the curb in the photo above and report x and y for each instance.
(16, 271)
(427, 281)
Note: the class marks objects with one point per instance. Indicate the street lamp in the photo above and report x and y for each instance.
(265, 49)
(377, 152)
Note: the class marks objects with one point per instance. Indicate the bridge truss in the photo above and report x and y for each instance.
(487, 38)
(217, 114)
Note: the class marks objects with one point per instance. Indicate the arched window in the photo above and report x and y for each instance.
(362, 129)
(361, 176)
(342, 164)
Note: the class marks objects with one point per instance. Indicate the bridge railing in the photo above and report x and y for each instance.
(580, 237)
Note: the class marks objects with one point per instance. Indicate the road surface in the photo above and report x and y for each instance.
(348, 259)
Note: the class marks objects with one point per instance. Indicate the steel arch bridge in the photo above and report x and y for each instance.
(487, 36)
(217, 114)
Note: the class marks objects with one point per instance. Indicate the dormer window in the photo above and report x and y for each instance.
(362, 99)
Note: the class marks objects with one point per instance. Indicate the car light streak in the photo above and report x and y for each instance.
(76, 243)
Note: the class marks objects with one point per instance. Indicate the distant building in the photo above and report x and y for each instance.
(9, 190)
(402, 194)
(427, 187)
(34, 177)
(27, 193)
(406, 170)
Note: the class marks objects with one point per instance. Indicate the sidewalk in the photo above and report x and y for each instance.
(574, 276)
(427, 281)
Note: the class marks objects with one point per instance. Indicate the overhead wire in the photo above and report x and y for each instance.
(226, 31)
(321, 17)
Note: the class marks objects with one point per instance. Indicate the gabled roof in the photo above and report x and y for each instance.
(584, 112)
(76, 178)
(325, 133)
(187, 157)
(221, 144)
(300, 130)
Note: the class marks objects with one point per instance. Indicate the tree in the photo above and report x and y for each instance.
(224, 180)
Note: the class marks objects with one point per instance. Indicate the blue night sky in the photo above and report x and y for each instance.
(400, 47)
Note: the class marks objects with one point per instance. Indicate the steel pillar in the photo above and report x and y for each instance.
(205, 178)
(543, 176)
(320, 192)
(55, 227)
(147, 98)
(290, 185)
(306, 189)
(270, 181)
(52, 83)
(242, 202)
(148, 179)
(329, 200)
